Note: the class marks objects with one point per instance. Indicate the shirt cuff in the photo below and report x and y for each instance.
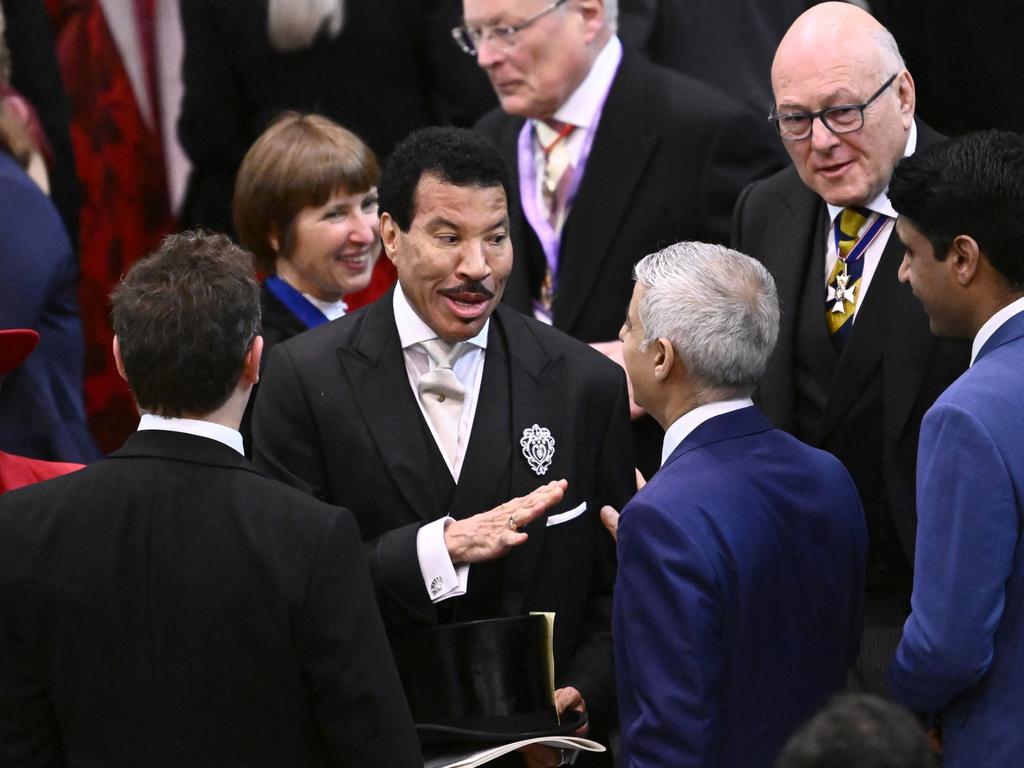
(441, 578)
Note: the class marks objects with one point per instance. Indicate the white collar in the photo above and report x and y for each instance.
(993, 324)
(232, 438)
(583, 107)
(412, 330)
(332, 310)
(881, 203)
(689, 421)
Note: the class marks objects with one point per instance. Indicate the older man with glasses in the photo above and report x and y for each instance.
(855, 367)
(613, 158)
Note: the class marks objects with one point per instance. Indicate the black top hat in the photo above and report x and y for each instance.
(482, 681)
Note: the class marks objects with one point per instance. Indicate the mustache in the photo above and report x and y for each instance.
(470, 286)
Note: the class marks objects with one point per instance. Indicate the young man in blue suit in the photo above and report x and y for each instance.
(739, 597)
(961, 221)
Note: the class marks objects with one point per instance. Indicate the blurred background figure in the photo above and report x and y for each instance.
(31, 91)
(361, 64)
(16, 471)
(109, 52)
(859, 731)
(41, 409)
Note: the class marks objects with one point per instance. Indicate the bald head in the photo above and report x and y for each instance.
(837, 54)
(831, 33)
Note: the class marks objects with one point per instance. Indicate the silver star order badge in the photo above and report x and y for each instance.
(538, 448)
(841, 292)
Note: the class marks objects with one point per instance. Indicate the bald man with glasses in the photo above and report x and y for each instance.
(855, 367)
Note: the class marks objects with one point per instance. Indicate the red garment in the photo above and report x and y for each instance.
(18, 471)
(125, 207)
(384, 276)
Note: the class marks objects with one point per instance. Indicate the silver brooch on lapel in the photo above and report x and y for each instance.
(538, 448)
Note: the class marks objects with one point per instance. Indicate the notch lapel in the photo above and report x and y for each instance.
(375, 366)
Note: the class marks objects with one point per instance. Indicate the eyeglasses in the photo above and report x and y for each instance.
(504, 35)
(842, 118)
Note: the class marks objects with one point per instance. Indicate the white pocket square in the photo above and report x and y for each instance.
(564, 517)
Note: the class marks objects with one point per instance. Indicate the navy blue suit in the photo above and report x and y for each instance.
(41, 409)
(961, 649)
(739, 596)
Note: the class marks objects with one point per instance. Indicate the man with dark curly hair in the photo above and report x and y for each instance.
(170, 605)
(436, 403)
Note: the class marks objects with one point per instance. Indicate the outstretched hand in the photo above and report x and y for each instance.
(490, 535)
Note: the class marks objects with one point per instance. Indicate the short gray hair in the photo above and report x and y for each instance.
(889, 50)
(719, 309)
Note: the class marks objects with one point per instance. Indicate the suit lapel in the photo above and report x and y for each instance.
(618, 158)
(485, 469)
(536, 397)
(375, 365)
(790, 259)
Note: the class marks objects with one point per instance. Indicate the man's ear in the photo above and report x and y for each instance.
(964, 255)
(664, 359)
(117, 359)
(389, 235)
(251, 367)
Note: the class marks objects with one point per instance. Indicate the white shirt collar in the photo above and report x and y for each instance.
(689, 421)
(232, 438)
(332, 310)
(583, 107)
(881, 203)
(412, 330)
(993, 324)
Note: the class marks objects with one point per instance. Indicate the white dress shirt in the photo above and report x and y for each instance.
(873, 255)
(232, 438)
(993, 324)
(689, 421)
(440, 577)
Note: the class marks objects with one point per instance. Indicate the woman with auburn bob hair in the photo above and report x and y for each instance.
(305, 204)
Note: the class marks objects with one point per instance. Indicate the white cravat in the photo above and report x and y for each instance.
(442, 394)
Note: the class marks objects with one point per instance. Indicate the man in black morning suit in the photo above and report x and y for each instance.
(171, 605)
(338, 415)
(655, 156)
(860, 394)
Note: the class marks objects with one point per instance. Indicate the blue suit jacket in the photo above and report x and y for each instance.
(41, 408)
(739, 595)
(961, 654)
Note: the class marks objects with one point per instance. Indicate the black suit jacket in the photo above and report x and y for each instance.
(172, 606)
(668, 160)
(336, 417)
(784, 224)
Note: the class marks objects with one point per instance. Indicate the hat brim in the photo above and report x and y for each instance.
(434, 733)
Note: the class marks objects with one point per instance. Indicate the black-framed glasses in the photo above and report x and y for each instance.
(842, 118)
(503, 35)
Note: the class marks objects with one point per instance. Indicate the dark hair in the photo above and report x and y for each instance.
(185, 317)
(297, 163)
(859, 731)
(454, 155)
(972, 185)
